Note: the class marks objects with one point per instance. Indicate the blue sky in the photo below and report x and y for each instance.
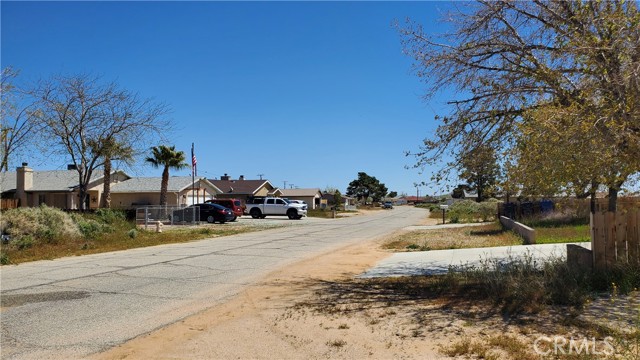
(305, 92)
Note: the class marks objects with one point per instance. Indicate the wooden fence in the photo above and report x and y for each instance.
(615, 238)
(8, 203)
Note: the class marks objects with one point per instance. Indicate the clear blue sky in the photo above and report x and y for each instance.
(305, 92)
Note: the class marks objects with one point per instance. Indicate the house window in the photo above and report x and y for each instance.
(41, 199)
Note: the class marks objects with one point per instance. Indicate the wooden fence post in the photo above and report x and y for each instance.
(610, 238)
(621, 237)
(598, 240)
(633, 236)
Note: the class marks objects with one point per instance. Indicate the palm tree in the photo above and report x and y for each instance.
(168, 158)
(112, 151)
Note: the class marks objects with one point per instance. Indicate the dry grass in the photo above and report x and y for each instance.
(119, 240)
(456, 238)
(474, 325)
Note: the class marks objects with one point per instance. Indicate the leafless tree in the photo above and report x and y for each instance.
(85, 117)
(16, 118)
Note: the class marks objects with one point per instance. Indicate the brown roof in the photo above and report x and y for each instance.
(241, 187)
(301, 192)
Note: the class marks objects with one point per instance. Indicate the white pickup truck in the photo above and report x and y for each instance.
(260, 207)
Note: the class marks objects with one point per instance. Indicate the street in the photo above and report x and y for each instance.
(74, 307)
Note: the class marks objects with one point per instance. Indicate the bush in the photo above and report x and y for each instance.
(465, 211)
(90, 229)
(526, 285)
(109, 216)
(488, 209)
(471, 211)
(133, 233)
(4, 258)
(41, 224)
(24, 242)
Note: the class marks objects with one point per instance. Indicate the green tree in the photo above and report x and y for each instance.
(393, 194)
(480, 168)
(366, 186)
(506, 58)
(166, 157)
(337, 199)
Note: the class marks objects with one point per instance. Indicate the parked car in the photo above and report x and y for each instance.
(234, 204)
(387, 205)
(208, 212)
(260, 207)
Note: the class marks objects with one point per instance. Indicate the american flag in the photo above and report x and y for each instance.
(194, 162)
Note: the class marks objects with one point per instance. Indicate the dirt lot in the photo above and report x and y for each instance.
(316, 309)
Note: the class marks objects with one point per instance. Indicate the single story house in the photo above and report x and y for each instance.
(59, 188)
(143, 191)
(311, 196)
(347, 201)
(55, 188)
(243, 189)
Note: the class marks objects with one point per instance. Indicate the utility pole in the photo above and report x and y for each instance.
(285, 184)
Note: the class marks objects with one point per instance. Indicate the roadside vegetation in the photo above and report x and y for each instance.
(494, 311)
(555, 227)
(465, 211)
(45, 233)
(559, 227)
(453, 238)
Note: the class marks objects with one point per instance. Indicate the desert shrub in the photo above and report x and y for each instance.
(524, 284)
(488, 209)
(24, 242)
(110, 216)
(42, 223)
(471, 211)
(465, 211)
(133, 233)
(4, 258)
(89, 228)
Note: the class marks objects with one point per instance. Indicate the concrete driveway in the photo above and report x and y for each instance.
(73, 307)
(439, 261)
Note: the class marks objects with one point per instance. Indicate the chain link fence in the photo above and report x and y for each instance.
(167, 215)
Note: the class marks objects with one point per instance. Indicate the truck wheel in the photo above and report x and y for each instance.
(298, 217)
(292, 214)
(255, 213)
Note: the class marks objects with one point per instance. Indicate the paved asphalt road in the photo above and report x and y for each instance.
(73, 307)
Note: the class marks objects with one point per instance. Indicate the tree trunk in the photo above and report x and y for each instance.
(613, 199)
(82, 192)
(164, 186)
(105, 202)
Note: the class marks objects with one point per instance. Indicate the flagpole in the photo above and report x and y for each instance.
(193, 178)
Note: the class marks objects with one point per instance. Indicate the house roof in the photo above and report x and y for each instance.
(470, 194)
(242, 187)
(330, 196)
(7, 181)
(52, 180)
(301, 192)
(153, 184)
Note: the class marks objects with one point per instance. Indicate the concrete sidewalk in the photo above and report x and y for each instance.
(438, 261)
